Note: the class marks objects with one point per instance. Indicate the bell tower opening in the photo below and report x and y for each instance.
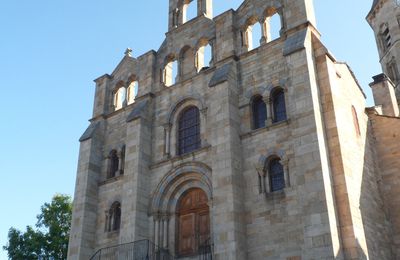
(181, 11)
(193, 217)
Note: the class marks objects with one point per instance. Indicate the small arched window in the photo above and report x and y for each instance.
(272, 25)
(189, 10)
(132, 92)
(276, 175)
(170, 72)
(259, 110)
(278, 105)
(119, 98)
(253, 34)
(113, 165)
(204, 56)
(113, 218)
(189, 130)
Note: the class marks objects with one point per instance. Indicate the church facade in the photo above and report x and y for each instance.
(231, 144)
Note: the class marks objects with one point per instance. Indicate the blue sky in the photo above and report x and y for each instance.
(50, 52)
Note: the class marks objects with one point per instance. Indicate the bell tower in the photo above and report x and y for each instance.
(384, 19)
(178, 11)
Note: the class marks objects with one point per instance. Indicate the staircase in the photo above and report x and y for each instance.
(146, 250)
(139, 250)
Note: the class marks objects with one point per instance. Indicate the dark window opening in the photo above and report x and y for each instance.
(279, 106)
(113, 221)
(259, 112)
(113, 164)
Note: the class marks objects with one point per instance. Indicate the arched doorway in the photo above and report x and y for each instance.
(193, 222)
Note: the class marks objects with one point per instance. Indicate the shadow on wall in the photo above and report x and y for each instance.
(373, 212)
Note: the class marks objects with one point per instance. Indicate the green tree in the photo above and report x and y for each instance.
(50, 239)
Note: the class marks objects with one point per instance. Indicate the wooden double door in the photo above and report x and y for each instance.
(193, 222)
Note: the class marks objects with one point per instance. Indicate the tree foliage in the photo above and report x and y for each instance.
(50, 238)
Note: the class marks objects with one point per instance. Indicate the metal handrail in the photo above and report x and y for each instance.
(206, 250)
(138, 250)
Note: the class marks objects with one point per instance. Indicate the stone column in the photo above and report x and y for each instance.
(167, 141)
(285, 164)
(120, 165)
(265, 31)
(165, 232)
(270, 115)
(203, 126)
(156, 230)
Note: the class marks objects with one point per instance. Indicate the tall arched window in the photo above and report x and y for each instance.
(113, 164)
(276, 175)
(113, 218)
(259, 110)
(189, 130)
(278, 105)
